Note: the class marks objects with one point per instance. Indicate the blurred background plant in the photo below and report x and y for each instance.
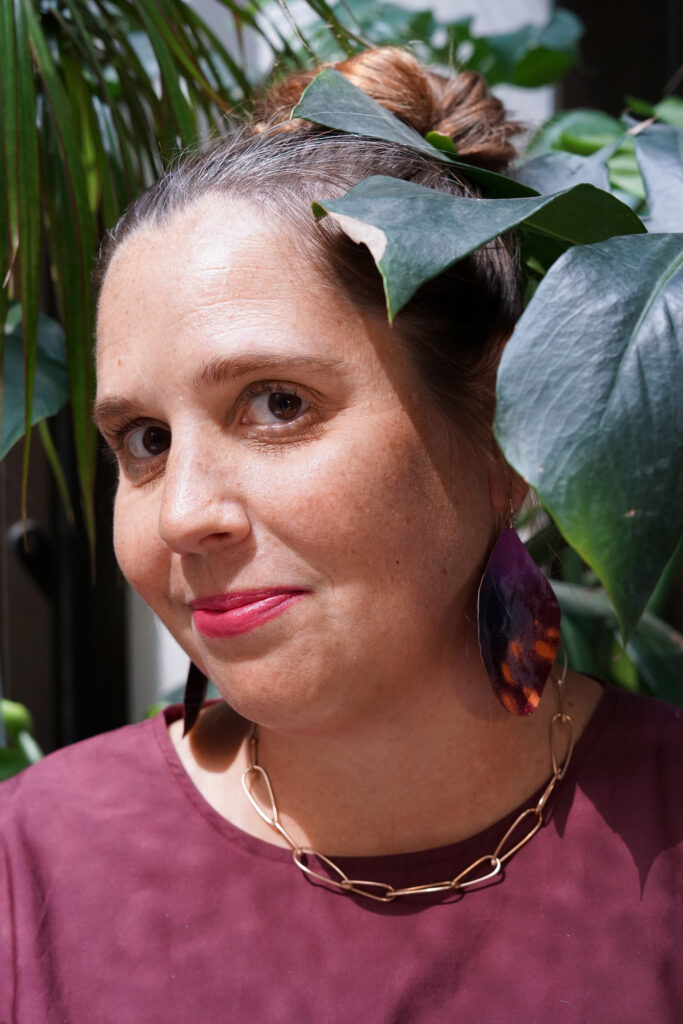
(99, 96)
(18, 747)
(96, 98)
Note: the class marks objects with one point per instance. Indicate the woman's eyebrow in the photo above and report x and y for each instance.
(113, 408)
(222, 369)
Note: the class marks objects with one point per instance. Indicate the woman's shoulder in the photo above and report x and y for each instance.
(647, 722)
(628, 768)
(83, 778)
(634, 734)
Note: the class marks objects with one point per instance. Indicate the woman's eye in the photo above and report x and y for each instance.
(276, 407)
(147, 442)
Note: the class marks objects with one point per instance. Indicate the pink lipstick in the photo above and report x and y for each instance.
(226, 615)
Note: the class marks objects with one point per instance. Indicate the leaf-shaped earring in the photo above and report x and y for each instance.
(195, 694)
(518, 624)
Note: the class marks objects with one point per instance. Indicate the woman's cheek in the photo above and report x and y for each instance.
(138, 547)
(358, 500)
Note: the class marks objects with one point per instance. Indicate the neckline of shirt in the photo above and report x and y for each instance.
(399, 865)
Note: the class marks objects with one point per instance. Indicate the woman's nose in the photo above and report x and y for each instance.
(200, 506)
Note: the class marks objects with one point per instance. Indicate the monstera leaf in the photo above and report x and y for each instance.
(414, 232)
(334, 102)
(590, 412)
(659, 152)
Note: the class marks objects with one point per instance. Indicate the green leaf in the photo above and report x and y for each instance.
(589, 407)
(583, 145)
(16, 717)
(659, 155)
(166, 29)
(28, 219)
(554, 171)
(12, 761)
(182, 112)
(444, 142)
(5, 219)
(579, 124)
(78, 97)
(57, 471)
(655, 648)
(624, 174)
(119, 165)
(581, 647)
(73, 263)
(51, 379)
(414, 232)
(537, 55)
(670, 111)
(215, 50)
(83, 130)
(663, 592)
(610, 163)
(640, 107)
(332, 101)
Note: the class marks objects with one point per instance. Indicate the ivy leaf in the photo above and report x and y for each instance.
(51, 387)
(414, 232)
(334, 102)
(659, 156)
(589, 408)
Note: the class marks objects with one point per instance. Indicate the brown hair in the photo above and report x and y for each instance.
(456, 324)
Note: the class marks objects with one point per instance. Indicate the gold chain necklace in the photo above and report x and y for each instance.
(523, 828)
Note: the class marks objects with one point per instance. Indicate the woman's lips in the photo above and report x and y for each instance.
(227, 615)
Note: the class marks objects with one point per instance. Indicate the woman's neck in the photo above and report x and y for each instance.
(426, 775)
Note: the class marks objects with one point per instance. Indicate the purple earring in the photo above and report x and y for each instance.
(195, 694)
(518, 624)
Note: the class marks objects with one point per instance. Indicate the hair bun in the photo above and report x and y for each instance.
(461, 106)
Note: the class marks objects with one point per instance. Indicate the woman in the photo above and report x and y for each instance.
(308, 498)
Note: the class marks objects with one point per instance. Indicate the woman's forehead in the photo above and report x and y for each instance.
(217, 281)
(214, 257)
(211, 236)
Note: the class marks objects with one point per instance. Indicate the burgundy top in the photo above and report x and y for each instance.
(124, 897)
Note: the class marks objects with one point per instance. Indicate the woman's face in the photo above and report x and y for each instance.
(289, 503)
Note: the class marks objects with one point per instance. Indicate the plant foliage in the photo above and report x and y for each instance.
(96, 97)
(589, 404)
(16, 724)
(531, 56)
(51, 381)
(85, 124)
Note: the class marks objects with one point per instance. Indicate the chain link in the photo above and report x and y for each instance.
(482, 870)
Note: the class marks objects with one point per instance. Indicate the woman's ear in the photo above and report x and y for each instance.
(505, 486)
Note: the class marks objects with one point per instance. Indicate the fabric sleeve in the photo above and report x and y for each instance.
(7, 937)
